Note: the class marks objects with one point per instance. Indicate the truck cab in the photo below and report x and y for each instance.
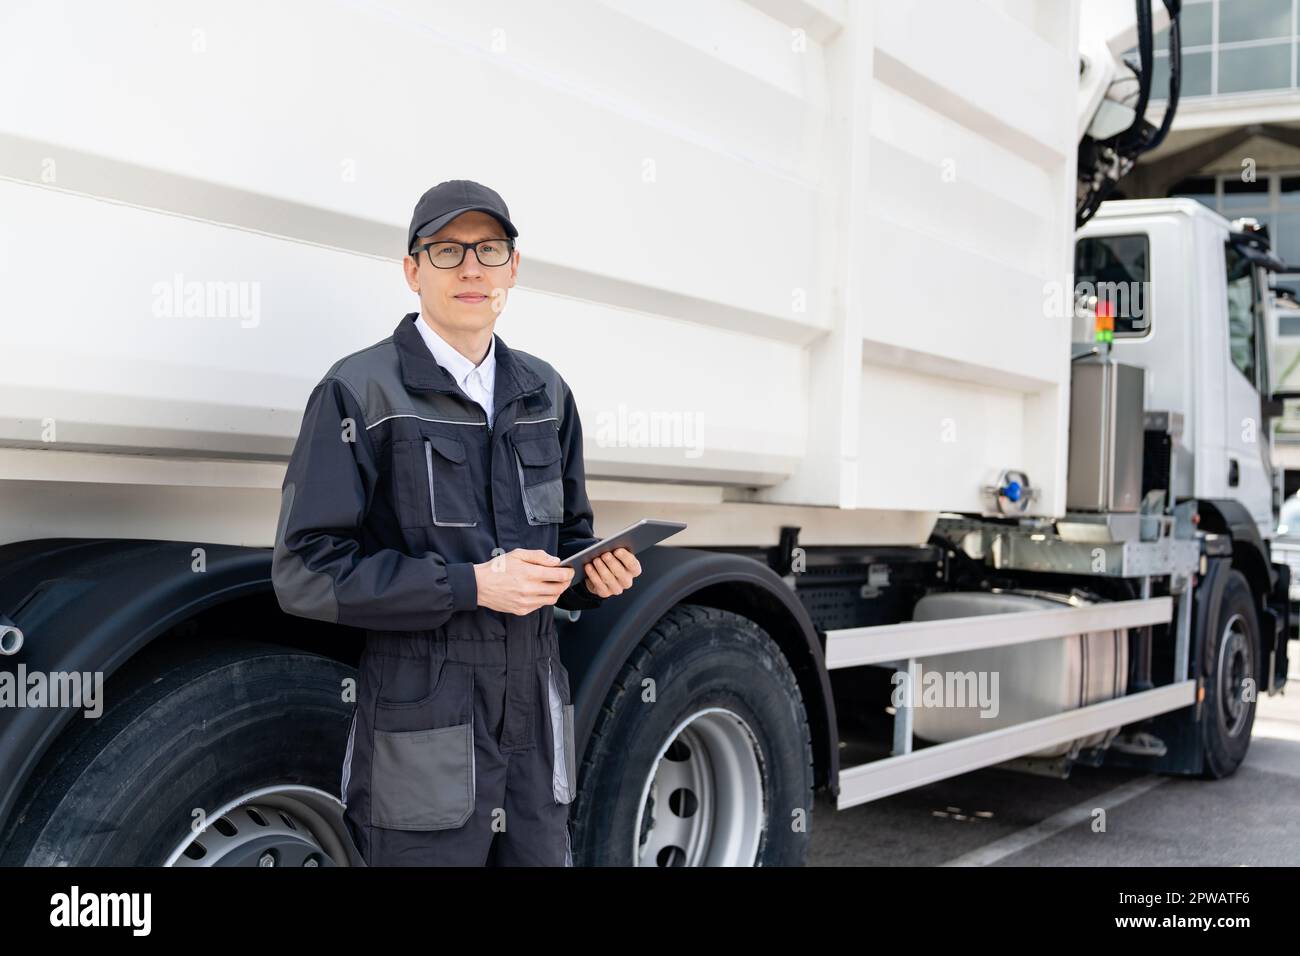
(1187, 291)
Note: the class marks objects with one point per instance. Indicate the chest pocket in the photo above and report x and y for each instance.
(541, 477)
(451, 495)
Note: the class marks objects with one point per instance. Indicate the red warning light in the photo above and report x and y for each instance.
(1105, 316)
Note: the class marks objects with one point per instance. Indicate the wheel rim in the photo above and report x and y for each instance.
(1234, 667)
(702, 803)
(273, 826)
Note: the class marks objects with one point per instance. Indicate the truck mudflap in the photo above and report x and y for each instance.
(1275, 628)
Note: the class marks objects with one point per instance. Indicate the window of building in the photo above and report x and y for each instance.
(1230, 47)
(1273, 198)
(1249, 195)
(1204, 189)
(1288, 326)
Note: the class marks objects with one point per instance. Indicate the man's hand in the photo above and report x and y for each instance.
(611, 573)
(521, 581)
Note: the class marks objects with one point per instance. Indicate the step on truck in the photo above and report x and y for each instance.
(974, 460)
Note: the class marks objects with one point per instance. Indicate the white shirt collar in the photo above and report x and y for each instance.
(455, 363)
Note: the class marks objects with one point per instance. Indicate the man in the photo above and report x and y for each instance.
(435, 485)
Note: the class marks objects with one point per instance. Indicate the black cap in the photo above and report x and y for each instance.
(445, 201)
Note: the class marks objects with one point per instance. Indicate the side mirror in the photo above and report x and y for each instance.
(1274, 406)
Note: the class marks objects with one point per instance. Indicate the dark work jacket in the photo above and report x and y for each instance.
(396, 487)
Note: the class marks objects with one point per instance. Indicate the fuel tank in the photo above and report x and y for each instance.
(1016, 683)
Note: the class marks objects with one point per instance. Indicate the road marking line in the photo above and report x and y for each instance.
(1080, 813)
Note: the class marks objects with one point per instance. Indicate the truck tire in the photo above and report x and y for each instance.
(245, 738)
(1232, 656)
(701, 755)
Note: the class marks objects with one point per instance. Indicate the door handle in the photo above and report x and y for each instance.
(1234, 473)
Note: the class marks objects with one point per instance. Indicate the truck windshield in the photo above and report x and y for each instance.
(1115, 270)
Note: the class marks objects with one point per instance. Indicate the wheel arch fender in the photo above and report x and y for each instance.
(1250, 555)
(1253, 558)
(91, 605)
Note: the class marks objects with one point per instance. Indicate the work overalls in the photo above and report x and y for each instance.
(461, 746)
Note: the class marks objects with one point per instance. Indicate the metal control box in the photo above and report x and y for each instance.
(1106, 436)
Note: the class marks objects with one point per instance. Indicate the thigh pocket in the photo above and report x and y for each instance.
(423, 779)
(541, 478)
(564, 772)
(451, 493)
(422, 768)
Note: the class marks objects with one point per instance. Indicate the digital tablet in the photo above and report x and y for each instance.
(635, 538)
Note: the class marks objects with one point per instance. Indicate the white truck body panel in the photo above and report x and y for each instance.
(775, 209)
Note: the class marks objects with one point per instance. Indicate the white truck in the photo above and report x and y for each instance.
(943, 513)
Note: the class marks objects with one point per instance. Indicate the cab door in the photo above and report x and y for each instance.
(1249, 477)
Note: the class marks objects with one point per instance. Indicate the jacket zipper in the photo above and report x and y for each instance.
(496, 537)
(523, 492)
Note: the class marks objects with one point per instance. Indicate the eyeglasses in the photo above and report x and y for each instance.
(449, 254)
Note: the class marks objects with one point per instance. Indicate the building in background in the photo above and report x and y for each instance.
(1235, 146)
